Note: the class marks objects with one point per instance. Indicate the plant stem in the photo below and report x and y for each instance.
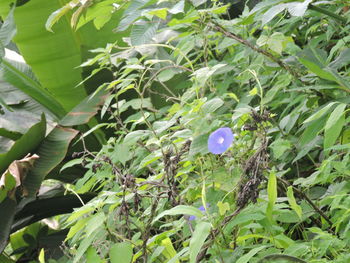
(283, 65)
(328, 13)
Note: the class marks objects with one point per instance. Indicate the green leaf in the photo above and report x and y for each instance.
(320, 112)
(311, 131)
(199, 236)
(26, 144)
(8, 28)
(315, 60)
(5, 259)
(84, 245)
(199, 145)
(7, 208)
(92, 256)
(55, 16)
(334, 126)
(342, 60)
(279, 147)
(55, 67)
(169, 252)
(42, 256)
(180, 210)
(47, 207)
(223, 207)
(143, 33)
(95, 223)
(20, 76)
(84, 111)
(51, 152)
(161, 12)
(272, 194)
(293, 204)
(121, 253)
(246, 258)
(212, 105)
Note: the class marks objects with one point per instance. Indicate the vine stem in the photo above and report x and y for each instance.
(328, 13)
(283, 65)
(307, 199)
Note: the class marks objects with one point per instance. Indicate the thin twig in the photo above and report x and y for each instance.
(307, 199)
(283, 65)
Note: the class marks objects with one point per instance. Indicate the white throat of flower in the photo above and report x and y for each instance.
(221, 140)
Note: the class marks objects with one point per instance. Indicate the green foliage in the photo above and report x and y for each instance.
(277, 76)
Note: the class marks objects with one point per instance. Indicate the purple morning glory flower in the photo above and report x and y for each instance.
(202, 208)
(220, 140)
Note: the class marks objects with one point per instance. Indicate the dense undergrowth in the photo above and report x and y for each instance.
(278, 78)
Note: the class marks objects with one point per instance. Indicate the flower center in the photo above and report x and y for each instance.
(220, 140)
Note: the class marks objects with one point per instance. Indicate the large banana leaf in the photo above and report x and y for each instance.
(26, 144)
(20, 76)
(47, 207)
(55, 56)
(51, 151)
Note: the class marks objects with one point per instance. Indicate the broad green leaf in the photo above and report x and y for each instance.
(272, 194)
(7, 208)
(180, 210)
(55, 16)
(246, 258)
(199, 236)
(320, 112)
(8, 29)
(131, 14)
(280, 146)
(161, 12)
(334, 126)
(47, 207)
(315, 60)
(199, 145)
(42, 256)
(121, 253)
(95, 223)
(272, 12)
(169, 252)
(53, 57)
(342, 60)
(84, 245)
(20, 76)
(143, 33)
(51, 152)
(223, 207)
(92, 256)
(212, 105)
(26, 144)
(79, 225)
(312, 130)
(277, 42)
(84, 111)
(5, 259)
(293, 204)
